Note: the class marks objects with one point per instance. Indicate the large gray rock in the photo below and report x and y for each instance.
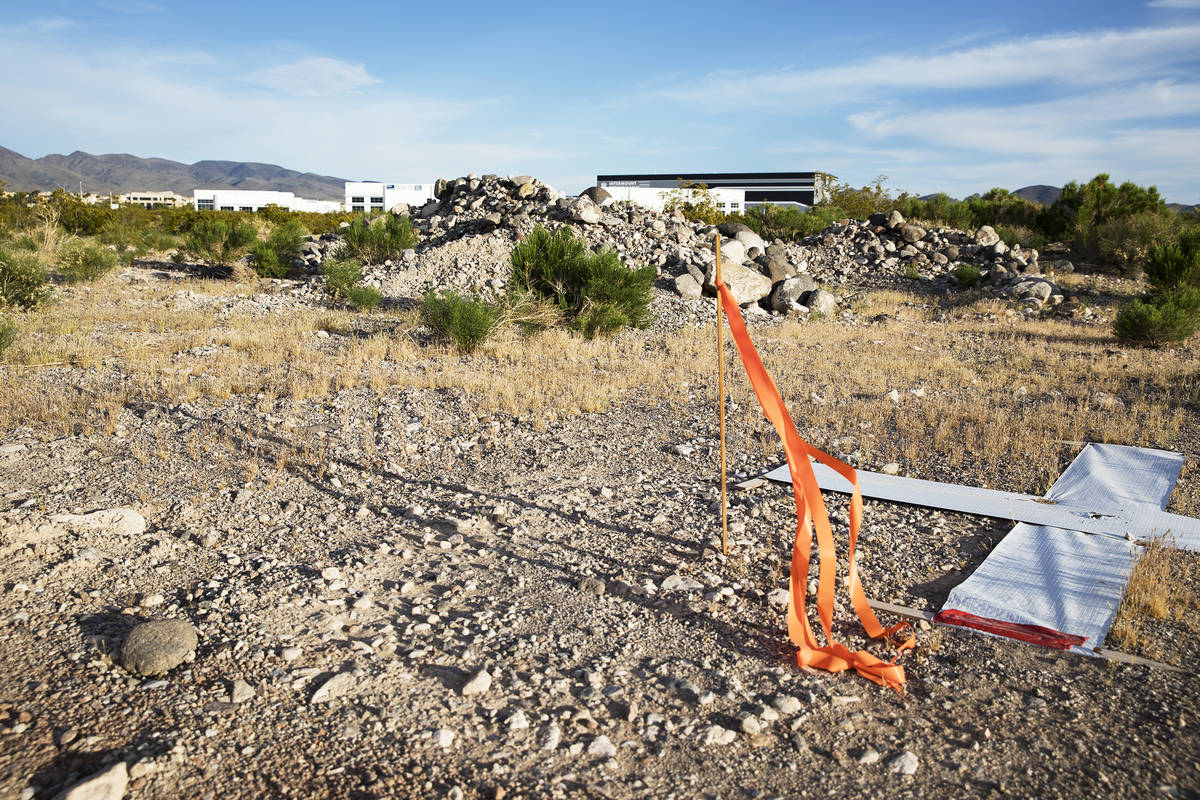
(732, 251)
(442, 188)
(785, 296)
(751, 239)
(154, 648)
(913, 233)
(1036, 289)
(730, 230)
(688, 287)
(584, 210)
(747, 285)
(776, 268)
(108, 784)
(895, 221)
(598, 195)
(820, 302)
(986, 236)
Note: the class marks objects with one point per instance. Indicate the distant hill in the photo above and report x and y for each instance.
(1046, 195)
(122, 172)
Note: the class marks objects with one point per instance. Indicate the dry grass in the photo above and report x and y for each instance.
(1161, 593)
(984, 398)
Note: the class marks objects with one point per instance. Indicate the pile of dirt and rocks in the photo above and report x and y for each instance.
(469, 230)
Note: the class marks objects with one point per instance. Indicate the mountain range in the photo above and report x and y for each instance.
(121, 172)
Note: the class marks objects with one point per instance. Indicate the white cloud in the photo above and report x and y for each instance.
(1075, 59)
(1174, 3)
(314, 77)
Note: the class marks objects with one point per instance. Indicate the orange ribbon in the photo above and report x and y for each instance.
(810, 513)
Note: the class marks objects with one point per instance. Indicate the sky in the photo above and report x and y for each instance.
(948, 96)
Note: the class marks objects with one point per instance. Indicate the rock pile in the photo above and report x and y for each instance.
(469, 228)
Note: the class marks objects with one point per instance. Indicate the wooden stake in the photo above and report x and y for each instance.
(721, 406)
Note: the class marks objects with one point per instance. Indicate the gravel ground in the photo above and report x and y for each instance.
(397, 595)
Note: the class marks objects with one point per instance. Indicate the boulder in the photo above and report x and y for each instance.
(785, 295)
(986, 236)
(732, 251)
(584, 210)
(820, 302)
(442, 188)
(154, 648)
(895, 221)
(913, 233)
(774, 267)
(751, 239)
(598, 195)
(747, 285)
(1037, 289)
(730, 230)
(688, 287)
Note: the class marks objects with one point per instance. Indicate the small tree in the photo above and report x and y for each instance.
(379, 241)
(694, 201)
(274, 257)
(219, 241)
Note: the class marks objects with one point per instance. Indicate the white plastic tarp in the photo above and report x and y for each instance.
(1111, 506)
(1065, 580)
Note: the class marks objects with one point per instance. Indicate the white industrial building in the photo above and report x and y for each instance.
(376, 196)
(253, 200)
(733, 192)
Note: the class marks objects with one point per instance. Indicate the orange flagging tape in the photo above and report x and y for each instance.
(810, 513)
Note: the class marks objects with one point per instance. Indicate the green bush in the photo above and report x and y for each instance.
(23, 282)
(1117, 225)
(86, 262)
(595, 291)
(78, 217)
(967, 275)
(1168, 318)
(342, 278)
(274, 257)
(694, 201)
(1171, 266)
(383, 240)
(1019, 234)
(218, 241)
(465, 321)
(8, 334)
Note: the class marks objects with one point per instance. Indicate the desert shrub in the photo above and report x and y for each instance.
(78, 217)
(8, 334)
(595, 291)
(1168, 318)
(380, 241)
(1019, 234)
(862, 202)
(466, 321)
(788, 223)
(1126, 242)
(23, 282)
(219, 241)
(342, 276)
(312, 221)
(967, 275)
(694, 201)
(273, 258)
(1171, 266)
(1116, 225)
(86, 262)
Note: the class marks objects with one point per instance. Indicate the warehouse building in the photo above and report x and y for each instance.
(732, 191)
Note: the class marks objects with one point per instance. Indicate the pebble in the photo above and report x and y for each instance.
(336, 686)
(241, 691)
(602, 747)
(778, 598)
(715, 734)
(290, 653)
(786, 704)
(444, 738)
(751, 725)
(550, 737)
(108, 784)
(869, 755)
(477, 684)
(153, 648)
(904, 764)
(590, 585)
(517, 721)
(681, 583)
(152, 600)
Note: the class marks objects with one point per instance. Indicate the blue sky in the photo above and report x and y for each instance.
(938, 96)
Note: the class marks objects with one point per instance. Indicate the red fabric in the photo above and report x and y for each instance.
(1046, 637)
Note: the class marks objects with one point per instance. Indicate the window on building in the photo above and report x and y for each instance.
(356, 208)
(356, 199)
(247, 208)
(204, 204)
(720, 204)
(735, 206)
(378, 200)
(227, 208)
